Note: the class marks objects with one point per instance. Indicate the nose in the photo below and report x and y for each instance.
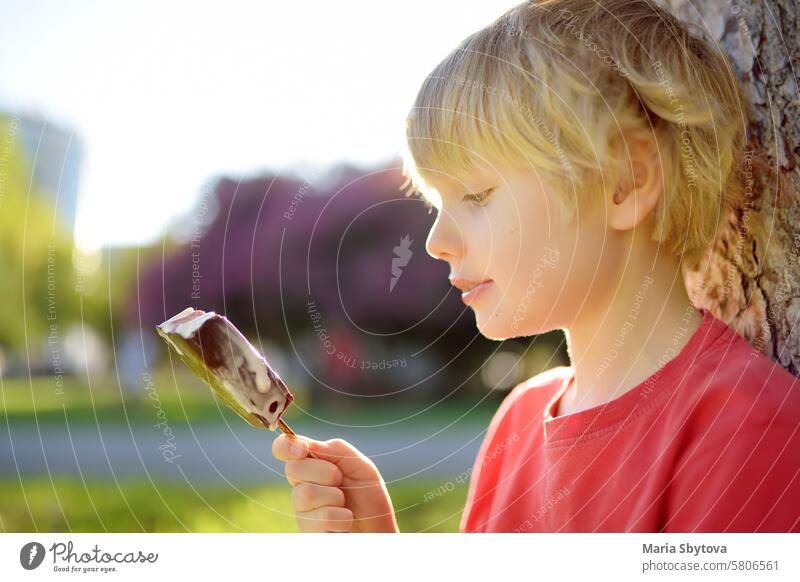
(445, 239)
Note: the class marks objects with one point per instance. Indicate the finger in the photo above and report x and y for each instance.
(313, 471)
(350, 460)
(309, 496)
(285, 448)
(325, 519)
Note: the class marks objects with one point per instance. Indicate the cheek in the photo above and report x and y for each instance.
(509, 243)
(539, 277)
(544, 261)
(526, 303)
(507, 253)
(491, 250)
(532, 252)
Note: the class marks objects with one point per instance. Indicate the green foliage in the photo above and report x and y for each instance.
(39, 286)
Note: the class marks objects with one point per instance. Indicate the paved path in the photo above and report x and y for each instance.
(216, 453)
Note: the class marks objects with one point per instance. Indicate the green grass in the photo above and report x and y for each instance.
(39, 398)
(69, 506)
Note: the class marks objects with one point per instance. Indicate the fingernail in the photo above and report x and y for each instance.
(296, 449)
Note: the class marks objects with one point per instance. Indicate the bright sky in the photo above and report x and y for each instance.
(166, 95)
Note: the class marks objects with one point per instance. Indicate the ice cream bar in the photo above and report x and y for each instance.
(218, 352)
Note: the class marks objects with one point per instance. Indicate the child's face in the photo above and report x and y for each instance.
(540, 274)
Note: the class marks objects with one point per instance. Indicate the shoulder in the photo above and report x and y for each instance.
(736, 393)
(529, 398)
(739, 455)
(536, 386)
(516, 419)
(735, 384)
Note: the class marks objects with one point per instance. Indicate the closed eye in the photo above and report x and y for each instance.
(478, 198)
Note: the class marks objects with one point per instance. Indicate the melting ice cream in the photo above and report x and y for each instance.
(218, 352)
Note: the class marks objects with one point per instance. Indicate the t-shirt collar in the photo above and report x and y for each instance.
(563, 429)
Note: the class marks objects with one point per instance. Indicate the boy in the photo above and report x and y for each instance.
(577, 152)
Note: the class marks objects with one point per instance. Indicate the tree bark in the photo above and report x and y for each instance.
(749, 279)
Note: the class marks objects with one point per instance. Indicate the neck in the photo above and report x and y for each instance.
(645, 323)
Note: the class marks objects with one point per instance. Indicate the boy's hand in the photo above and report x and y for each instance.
(339, 491)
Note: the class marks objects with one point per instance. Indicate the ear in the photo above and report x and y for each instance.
(640, 185)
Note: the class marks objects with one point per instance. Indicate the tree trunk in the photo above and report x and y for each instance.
(750, 278)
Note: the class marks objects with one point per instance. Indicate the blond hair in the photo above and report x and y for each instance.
(556, 85)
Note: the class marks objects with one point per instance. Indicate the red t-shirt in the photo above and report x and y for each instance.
(710, 442)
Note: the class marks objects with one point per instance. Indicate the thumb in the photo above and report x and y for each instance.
(351, 462)
(286, 448)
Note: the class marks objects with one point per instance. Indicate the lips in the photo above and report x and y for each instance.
(466, 284)
(470, 289)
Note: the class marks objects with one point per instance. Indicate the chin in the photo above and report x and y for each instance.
(504, 328)
(495, 328)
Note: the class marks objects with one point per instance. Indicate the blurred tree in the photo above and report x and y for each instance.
(276, 244)
(47, 284)
(351, 243)
(35, 254)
